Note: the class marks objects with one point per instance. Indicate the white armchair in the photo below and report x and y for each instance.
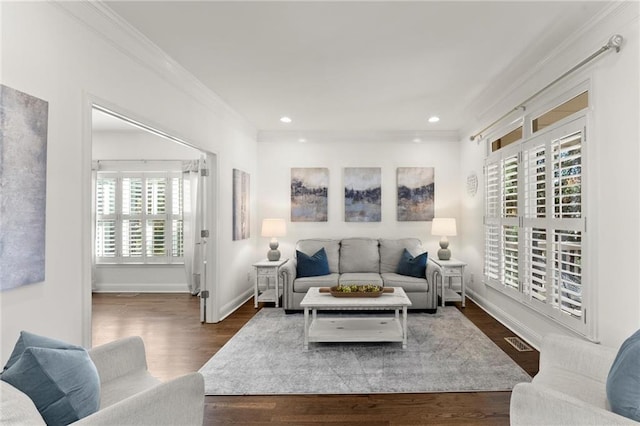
(570, 387)
(129, 395)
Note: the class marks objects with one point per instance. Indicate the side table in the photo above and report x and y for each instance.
(449, 269)
(269, 269)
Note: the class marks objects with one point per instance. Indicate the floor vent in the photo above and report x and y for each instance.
(519, 344)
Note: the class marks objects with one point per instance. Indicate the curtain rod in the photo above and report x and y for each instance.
(615, 41)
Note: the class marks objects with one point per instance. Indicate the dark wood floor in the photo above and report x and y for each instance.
(178, 343)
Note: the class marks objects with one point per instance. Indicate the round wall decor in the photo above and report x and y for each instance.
(472, 184)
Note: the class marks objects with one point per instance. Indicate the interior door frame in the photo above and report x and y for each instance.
(211, 281)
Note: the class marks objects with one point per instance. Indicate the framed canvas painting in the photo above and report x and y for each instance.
(309, 192)
(241, 223)
(23, 178)
(415, 193)
(362, 194)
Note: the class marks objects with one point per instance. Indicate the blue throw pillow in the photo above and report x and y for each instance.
(412, 266)
(62, 383)
(623, 382)
(27, 339)
(312, 266)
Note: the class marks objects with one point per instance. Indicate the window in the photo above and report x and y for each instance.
(535, 222)
(508, 139)
(139, 217)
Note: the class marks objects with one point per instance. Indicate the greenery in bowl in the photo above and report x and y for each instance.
(367, 288)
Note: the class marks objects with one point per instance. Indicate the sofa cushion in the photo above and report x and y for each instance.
(17, 408)
(359, 255)
(408, 284)
(331, 248)
(27, 339)
(301, 285)
(391, 251)
(360, 278)
(62, 383)
(312, 266)
(412, 266)
(623, 381)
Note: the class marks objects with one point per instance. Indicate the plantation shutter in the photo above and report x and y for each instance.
(132, 198)
(567, 207)
(139, 217)
(491, 221)
(535, 235)
(509, 238)
(106, 217)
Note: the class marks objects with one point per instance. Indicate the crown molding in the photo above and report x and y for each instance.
(107, 24)
(496, 99)
(322, 136)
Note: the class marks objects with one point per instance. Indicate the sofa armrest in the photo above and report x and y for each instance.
(119, 358)
(288, 275)
(536, 405)
(576, 355)
(177, 402)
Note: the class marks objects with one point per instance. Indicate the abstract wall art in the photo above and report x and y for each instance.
(23, 183)
(241, 208)
(415, 193)
(362, 194)
(309, 192)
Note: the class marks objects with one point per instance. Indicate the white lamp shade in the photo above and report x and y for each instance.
(443, 226)
(274, 228)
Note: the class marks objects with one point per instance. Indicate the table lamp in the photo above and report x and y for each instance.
(444, 227)
(273, 228)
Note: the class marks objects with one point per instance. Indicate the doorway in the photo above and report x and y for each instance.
(141, 216)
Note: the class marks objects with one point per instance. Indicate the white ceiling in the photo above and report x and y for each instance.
(340, 66)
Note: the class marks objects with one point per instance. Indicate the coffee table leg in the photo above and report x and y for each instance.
(306, 328)
(404, 327)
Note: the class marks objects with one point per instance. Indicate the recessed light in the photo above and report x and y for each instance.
(417, 140)
(285, 119)
(302, 140)
(434, 119)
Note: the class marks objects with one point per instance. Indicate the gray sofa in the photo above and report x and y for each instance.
(129, 395)
(361, 261)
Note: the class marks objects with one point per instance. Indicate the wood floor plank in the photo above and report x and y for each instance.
(177, 343)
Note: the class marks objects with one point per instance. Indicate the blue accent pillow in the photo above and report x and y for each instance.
(412, 266)
(62, 383)
(312, 266)
(623, 382)
(27, 339)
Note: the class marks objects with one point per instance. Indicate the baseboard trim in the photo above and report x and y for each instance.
(513, 324)
(232, 306)
(140, 288)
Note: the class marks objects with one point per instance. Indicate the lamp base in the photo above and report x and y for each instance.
(444, 254)
(274, 253)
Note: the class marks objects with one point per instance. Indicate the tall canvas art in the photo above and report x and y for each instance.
(362, 194)
(309, 190)
(415, 193)
(241, 223)
(23, 173)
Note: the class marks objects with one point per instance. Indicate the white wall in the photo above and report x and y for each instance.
(138, 145)
(51, 54)
(277, 159)
(613, 180)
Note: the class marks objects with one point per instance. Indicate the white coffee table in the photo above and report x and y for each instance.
(355, 329)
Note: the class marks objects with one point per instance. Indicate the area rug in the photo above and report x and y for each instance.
(445, 353)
